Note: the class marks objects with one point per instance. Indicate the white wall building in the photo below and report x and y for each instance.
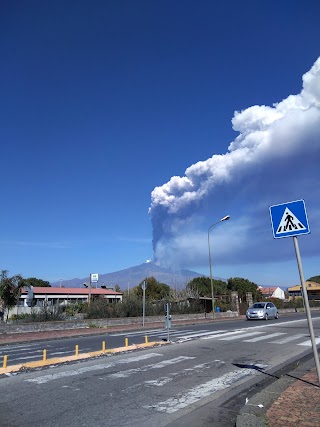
(273, 292)
(48, 296)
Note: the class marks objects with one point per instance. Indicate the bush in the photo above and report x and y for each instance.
(47, 314)
(133, 307)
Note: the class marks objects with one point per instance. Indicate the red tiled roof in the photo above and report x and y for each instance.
(43, 290)
(270, 289)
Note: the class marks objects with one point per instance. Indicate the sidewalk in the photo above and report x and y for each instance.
(293, 400)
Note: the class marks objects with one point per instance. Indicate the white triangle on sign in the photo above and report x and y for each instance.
(289, 222)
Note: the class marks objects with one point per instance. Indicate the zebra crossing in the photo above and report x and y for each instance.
(245, 335)
(263, 336)
(31, 351)
(209, 378)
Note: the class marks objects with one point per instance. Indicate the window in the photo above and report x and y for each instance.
(258, 305)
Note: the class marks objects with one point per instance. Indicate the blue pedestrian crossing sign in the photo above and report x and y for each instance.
(289, 219)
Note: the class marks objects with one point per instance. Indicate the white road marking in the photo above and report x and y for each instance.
(181, 334)
(136, 333)
(265, 337)
(46, 378)
(162, 364)
(24, 358)
(235, 337)
(219, 335)
(160, 382)
(58, 353)
(308, 343)
(271, 325)
(288, 339)
(13, 349)
(151, 332)
(183, 400)
(201, 334)
(164, 380)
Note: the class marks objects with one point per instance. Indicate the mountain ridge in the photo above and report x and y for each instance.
(132, 276)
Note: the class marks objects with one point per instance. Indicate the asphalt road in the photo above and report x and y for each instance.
(192, 382)
(32, 351)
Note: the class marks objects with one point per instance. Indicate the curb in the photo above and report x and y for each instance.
(59, 360)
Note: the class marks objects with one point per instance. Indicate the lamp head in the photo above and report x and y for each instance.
(225, 218)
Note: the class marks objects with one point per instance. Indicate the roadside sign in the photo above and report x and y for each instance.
(94, 277)
(289, 219)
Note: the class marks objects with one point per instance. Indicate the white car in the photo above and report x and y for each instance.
(262, 310)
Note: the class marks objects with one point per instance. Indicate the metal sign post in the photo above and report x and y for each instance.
(168, 320)
(307, 307)
(143, 301)
(94, 277)
(290, 220)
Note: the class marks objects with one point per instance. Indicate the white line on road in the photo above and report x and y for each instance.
(288, 339)
(162, 364)
(153, 333)
(239, 335)
(165, 380)
(46, 378)
(181, 333)
(219, 335)
(183, 400)
(265, 337)
(308, 343)
(201, 334)
(24, 358)
(7, 350)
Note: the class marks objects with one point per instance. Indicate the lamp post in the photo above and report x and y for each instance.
(225, 218)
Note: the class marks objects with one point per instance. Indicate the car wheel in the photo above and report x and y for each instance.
(276, 316)
(247, 318)
(266, 317)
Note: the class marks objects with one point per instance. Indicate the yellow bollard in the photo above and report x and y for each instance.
(146, 340)
(44, 355)
(5, 361)
(103, 346)
(77, 350)
(127, 342)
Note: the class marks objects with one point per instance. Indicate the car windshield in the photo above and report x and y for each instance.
(258, 305)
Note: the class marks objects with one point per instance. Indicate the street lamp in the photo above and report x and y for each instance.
(225, 218)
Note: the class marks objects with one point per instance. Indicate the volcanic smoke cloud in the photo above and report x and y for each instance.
(274, 159)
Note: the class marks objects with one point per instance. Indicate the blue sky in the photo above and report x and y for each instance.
(102, 103)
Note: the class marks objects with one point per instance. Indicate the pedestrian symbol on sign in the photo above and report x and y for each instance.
(289, 222)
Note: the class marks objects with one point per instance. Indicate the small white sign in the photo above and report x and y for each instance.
(94, 277)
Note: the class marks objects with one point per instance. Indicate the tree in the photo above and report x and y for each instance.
(10, 289)
(314, 279)
(117, 288)
(155, 290)
(242, 286)
(33, 281)
(201, 287)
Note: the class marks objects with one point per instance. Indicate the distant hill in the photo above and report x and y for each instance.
(132, 276)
